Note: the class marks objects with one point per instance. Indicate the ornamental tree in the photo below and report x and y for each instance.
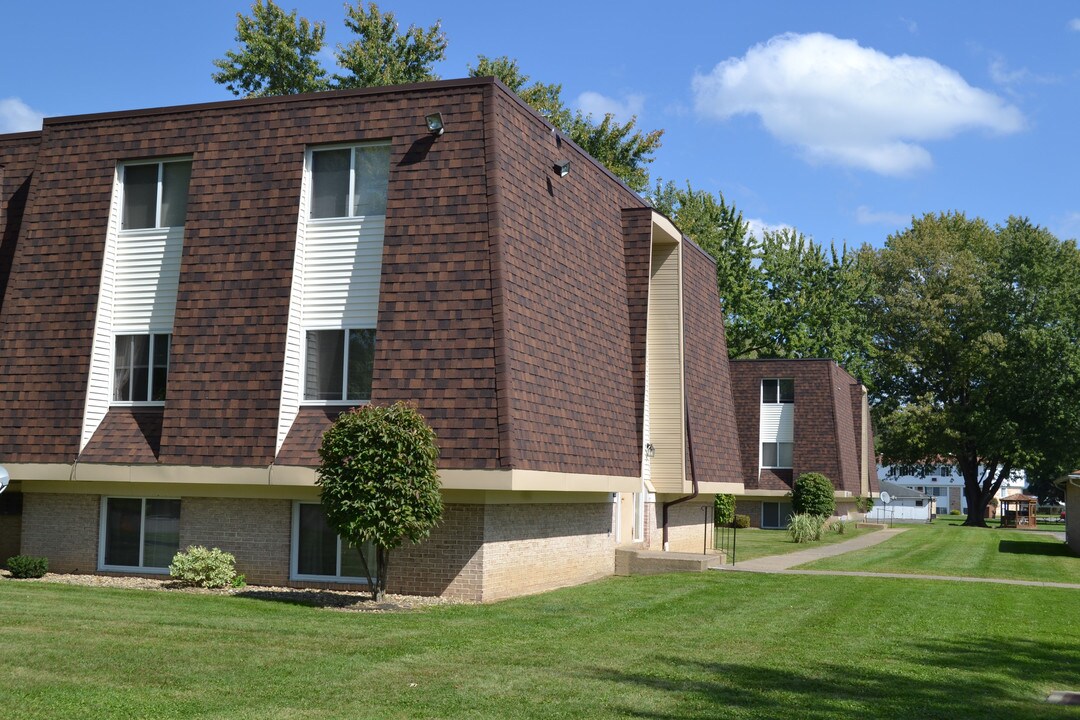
(380, 482)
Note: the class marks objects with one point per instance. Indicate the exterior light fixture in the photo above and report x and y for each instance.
(435, 124)
(650, 451)
(5, 478)
(562, 167)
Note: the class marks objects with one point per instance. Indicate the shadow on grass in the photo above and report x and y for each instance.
(1031, 547)
(310, 598)
(930, 679)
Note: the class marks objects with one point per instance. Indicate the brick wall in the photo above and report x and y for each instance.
(63, 528)
(257, 532)
(450, 562)
(689, 526)
(751, 508)
(1072, 516)
(532, 548)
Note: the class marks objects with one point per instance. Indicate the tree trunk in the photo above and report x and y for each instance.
(976, 502)
(382, 564)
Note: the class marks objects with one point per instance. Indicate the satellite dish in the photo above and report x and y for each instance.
(885, 497)
(5, 478)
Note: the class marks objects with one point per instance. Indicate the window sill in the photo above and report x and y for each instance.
(334, 403)
(329, 579)
(138, 404)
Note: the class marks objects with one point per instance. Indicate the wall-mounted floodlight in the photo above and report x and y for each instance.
(435, 124)
(563, 168)
(650, 451)
(5, 478)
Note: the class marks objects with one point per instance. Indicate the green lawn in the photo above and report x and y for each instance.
(710, 645)
(753, 543)
(947, 548)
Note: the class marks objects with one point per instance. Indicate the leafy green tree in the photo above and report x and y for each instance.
(278, 54)
(813, 494)
(379, 481)
(978, 335)
(381, 55)
(784, 296)
(620, 147)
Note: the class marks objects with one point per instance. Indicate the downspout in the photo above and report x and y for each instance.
(693, 480)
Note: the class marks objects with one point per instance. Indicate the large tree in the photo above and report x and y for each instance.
(622, 148)
(784, 296)
(382, 55)
(978, 335)
(278, 54)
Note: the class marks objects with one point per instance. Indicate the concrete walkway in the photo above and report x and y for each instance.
(782, 564)
(777, 563)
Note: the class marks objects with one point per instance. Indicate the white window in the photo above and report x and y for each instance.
(775, 514)
(155, 194)
(140, 368)
(349, 181)
(778, 390)
(138, 533)
(776, 454)
(338, 365)
(319, 554)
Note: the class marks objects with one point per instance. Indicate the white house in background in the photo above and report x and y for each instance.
(944, 483)
(904, 505)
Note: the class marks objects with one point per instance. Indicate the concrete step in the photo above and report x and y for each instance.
(630, 561)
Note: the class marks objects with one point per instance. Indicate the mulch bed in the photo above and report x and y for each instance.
(341, 600)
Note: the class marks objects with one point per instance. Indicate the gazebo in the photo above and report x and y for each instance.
(1018, 511)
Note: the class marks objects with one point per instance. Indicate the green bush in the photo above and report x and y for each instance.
(805, 527)
(954, 512)
(27, 566)
(863, 504)
(742, 521)
(837, 525)
(213, 568)
(725, 509)
(813, 495)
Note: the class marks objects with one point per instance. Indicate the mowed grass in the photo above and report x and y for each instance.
(945, 547)
(710, 645)
(753, 543)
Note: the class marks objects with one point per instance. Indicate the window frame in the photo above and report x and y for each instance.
(344, 401)
(113, 402)
(309, 167)
(294, 553)
(158, 205)
(778, 443)
(102, 535)
(779, 396)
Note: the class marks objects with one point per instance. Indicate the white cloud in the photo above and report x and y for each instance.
(17, 116)
(597, 105)
(842, 103)
(911, 25)
(866, 216)
(1074, 24)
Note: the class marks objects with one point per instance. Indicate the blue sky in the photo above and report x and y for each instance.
(842, 119)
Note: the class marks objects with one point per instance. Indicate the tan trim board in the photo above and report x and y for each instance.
(291, 476)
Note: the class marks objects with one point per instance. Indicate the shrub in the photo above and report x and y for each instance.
(725, 509)
(742, 521)
(837, 525)
(805, 527)
(213, 568)
(813, 495)
(863, 504)
(27, 566)
(954, 512)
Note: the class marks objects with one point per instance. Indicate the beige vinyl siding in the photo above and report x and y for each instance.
(665, 377)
